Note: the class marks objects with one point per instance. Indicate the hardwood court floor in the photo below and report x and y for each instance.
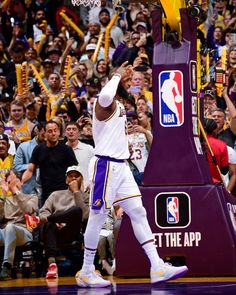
(121, 286)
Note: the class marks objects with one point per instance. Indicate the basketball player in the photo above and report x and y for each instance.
(113, 184)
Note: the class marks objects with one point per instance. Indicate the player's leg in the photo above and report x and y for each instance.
(101, 200)
(133, 207)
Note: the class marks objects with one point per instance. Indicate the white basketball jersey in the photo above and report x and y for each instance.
(110, 136)
(139, 154)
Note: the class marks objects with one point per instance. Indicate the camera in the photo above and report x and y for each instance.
(195, 10)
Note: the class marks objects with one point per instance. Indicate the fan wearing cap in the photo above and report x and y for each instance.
(94, 12)
(209, 102)
(47, 70)
(93, 86)
(32, 111)
(63, 216)
(89, 51)
(115, 32)
(54, 54)
(93, 29)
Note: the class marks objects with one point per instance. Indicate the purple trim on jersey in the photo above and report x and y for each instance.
(100, 180)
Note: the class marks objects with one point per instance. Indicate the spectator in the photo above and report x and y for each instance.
(232, 57)
(53, 158)
(209, 102)
(86, 133)
(20, 127)
(128, 48)
(145, 120)
(106, 243)
(142, 105)
(129, 103)
(93, 29)
(40, 27)
(6, 160)
(47, 70)
(31, 112)
(228, 135)
(93, 86)
(22, 158)
(54, 83)
(230, 177)
(31, 54)
(54, 54)
(63, 216)
(102, 70)
(115, 32)
(78, 78)
(219, 150)
(95, 12)
(140, 140)
(12, 146)
(14, 232)
(137, 88)
(83, 152)
(63, 114)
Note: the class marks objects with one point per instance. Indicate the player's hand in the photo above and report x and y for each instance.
(123, 69)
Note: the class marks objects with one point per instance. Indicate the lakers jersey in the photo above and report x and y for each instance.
(110, 136)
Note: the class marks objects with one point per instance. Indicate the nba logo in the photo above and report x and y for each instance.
(171, 105)
(172, 210)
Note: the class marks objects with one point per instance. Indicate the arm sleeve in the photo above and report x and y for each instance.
(108, 92)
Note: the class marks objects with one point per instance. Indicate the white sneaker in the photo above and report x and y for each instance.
(91, 279)
(166, 272)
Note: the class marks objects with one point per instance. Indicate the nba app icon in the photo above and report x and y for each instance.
(171, 106)
(172, 210)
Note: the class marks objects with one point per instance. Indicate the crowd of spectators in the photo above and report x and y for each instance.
(61, 92)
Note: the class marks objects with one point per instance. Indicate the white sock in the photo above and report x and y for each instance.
(152, 254)
(88, 260)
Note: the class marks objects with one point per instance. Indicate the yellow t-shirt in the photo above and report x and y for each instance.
(5, 166)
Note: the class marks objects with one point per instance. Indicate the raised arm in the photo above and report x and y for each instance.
(105, 105)
(231, 109)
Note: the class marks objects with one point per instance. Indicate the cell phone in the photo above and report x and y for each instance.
(215, 13)
(233, 37)
(135, 89)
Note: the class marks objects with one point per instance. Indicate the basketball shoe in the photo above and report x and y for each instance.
(91, 279)
(166, 272)
(52, 272)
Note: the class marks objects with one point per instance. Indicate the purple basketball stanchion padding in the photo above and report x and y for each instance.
(193, 220)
